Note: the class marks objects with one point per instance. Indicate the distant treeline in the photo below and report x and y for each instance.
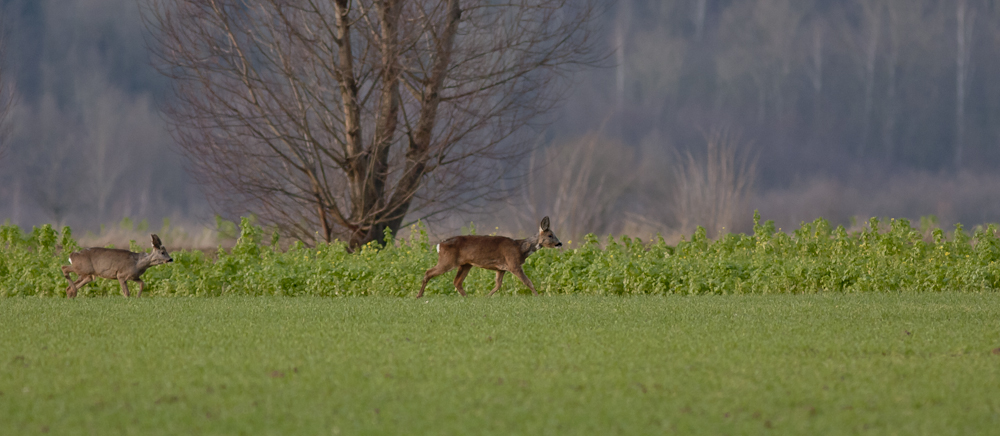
(832, 88)
(813, 85)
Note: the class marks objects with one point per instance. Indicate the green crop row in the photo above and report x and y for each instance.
(814, 258)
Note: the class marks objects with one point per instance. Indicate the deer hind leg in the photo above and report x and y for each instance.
(524, 279)
(124, 286)
(460, 277)
(496, 288)
(79, 284)
(71, 289)
(431, 273)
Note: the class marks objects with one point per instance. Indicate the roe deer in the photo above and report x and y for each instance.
(110, 263)
(497, 253)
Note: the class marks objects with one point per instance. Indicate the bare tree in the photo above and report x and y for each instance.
(698, 18)
(578, 183)
(336, 119)
(865, 39)
(53, 178)
(7, 99)
(761, 37)
(965, 16)
(895, 12)
(712, 189)
(814, 71)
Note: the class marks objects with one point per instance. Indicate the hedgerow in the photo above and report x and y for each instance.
(814, 258)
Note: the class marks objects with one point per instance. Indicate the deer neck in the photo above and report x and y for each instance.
(142, 260)
(528, 246)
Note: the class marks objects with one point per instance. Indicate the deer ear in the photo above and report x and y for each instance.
(156, 241)
(545, 224)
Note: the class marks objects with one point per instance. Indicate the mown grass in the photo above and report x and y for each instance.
(829, 363)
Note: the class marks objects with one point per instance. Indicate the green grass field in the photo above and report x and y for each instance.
(910, 363)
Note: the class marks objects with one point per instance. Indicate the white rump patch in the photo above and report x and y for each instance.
(71, 261)
(438, 248)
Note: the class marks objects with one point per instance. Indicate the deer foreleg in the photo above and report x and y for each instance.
(500, 274)
(141, 285)
(524, 279)
(121, 281)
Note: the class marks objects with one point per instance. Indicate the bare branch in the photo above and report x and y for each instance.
(339, 119)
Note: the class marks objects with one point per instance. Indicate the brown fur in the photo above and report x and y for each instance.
(496, 253)
(111, 263)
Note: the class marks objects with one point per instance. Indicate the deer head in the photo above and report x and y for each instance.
(159, 255)
(546, 238)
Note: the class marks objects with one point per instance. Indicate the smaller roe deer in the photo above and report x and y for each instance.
(497, 253)
(110, 263)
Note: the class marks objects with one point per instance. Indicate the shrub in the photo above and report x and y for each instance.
(814, 258)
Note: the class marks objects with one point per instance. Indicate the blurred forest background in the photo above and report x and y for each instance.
(707, 110)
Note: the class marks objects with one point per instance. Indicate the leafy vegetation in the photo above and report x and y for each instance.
(886, 256)
(904, 363)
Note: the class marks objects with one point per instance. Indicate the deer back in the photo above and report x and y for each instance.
(490, 252)
(108, 263)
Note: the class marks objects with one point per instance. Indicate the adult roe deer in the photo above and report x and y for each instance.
(110, 263)
(497, 253)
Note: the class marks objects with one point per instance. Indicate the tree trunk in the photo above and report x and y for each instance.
(965, 18)
(418, 153)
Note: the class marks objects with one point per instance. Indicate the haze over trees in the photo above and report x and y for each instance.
(88, 145)
(849, 107)
(847, 80)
